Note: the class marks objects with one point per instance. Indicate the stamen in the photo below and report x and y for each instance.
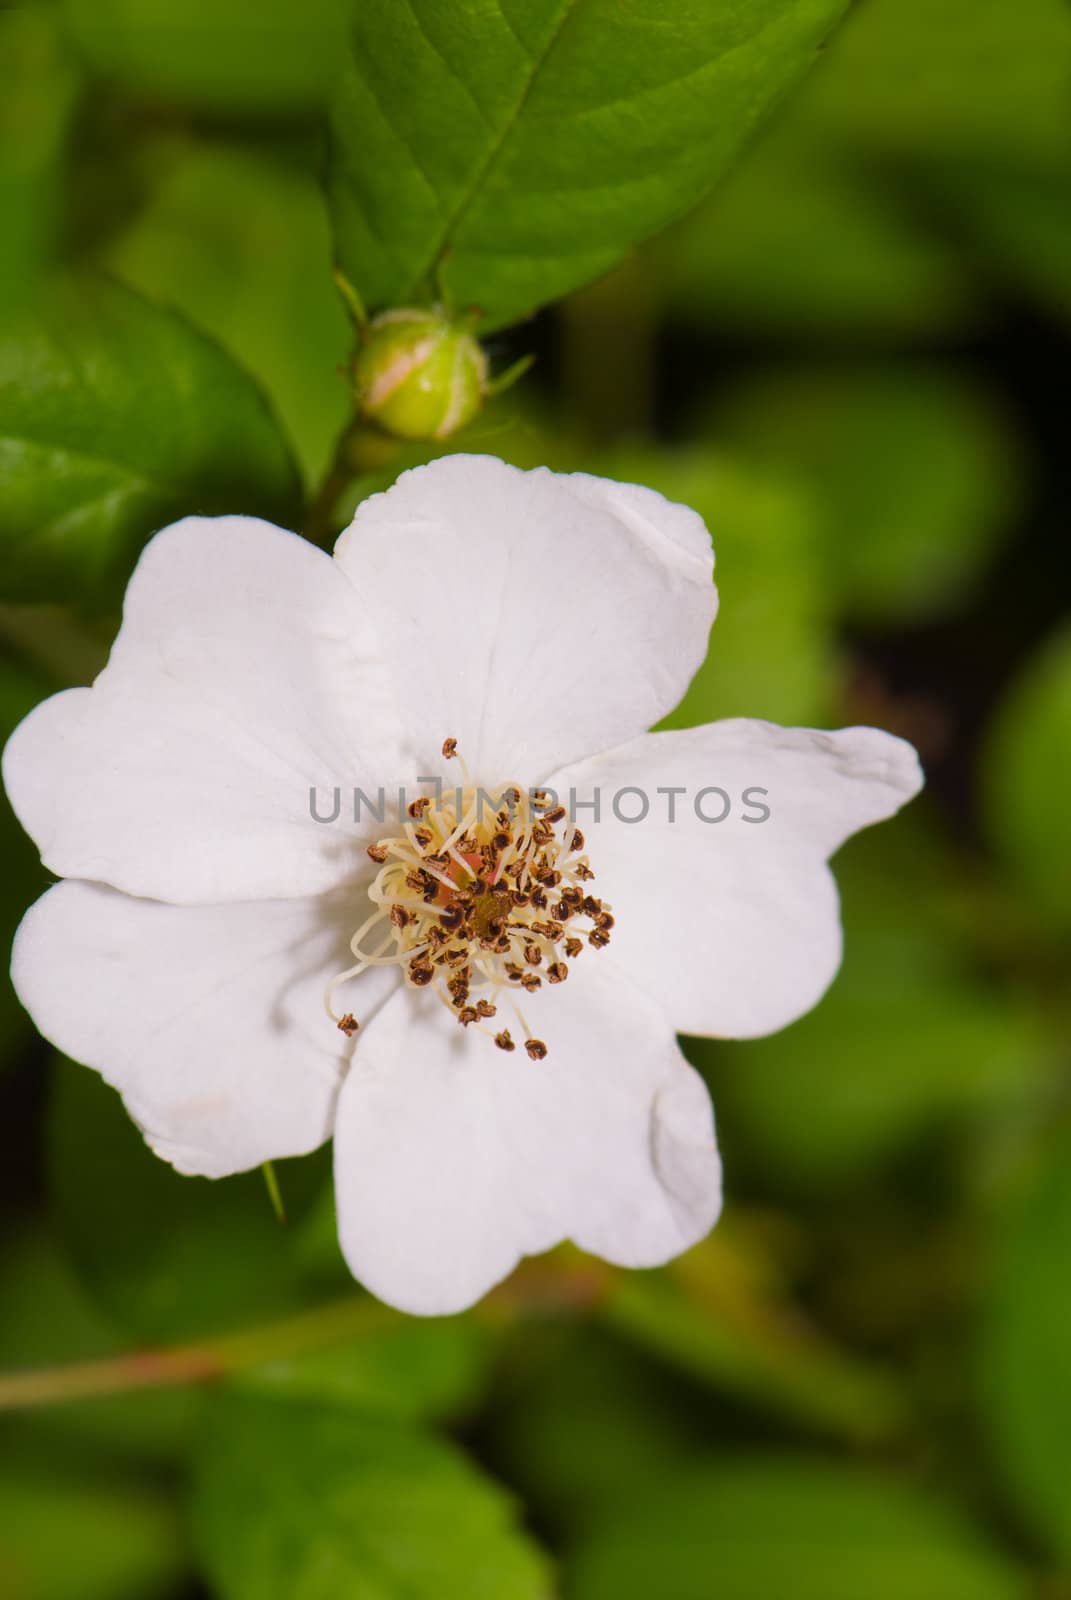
(474, 901)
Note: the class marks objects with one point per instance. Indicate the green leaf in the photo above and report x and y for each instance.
(511, 154)
(300, 1500)
(410, 1368)
(795, 1526)
(64, 1537)
(913, 1036)
(1028, 778)
(235, 57)
(240, 243)
(116, 417)
(913, 469)
(35, 117)
(168, 1257)
(1026, 1335)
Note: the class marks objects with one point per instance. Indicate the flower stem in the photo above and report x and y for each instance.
(319, 522)
(360, 449)
(206, 1362)
(275, 1194)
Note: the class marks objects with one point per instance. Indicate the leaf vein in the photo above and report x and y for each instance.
(497, 145)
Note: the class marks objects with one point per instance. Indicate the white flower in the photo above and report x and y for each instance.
(544, 623)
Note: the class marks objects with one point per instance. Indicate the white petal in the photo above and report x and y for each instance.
(453, 1159)
(733, 925)
(209, 1020)
(534, 617)
(242, 675)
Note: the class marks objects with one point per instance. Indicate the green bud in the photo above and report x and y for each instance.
(418, 375)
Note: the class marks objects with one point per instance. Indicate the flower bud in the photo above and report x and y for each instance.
(418, 375)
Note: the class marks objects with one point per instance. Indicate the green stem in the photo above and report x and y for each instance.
(319, 525)
(361, 449)
(207, 1362)
(275, 1194)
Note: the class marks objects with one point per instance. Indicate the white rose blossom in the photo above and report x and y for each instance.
(253, 983)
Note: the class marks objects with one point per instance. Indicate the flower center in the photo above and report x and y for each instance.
(481, 897)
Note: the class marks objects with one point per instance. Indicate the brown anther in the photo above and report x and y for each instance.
(348, 1025)
(449, 749)
(474, 918)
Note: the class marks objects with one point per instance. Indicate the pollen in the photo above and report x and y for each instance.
(477, 889)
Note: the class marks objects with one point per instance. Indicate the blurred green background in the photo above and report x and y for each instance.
(853, 360)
